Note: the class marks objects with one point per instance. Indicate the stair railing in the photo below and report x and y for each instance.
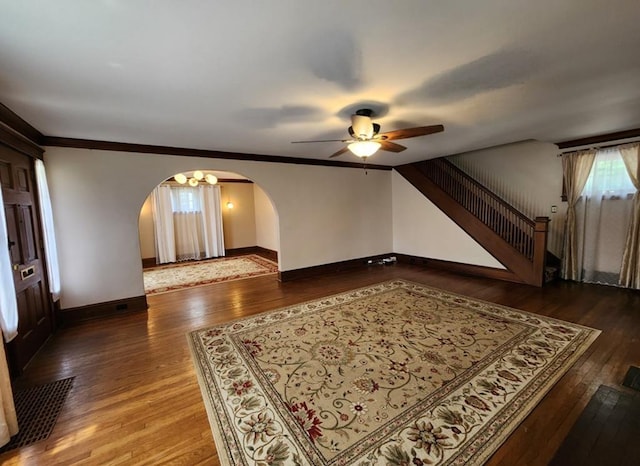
(526, 236)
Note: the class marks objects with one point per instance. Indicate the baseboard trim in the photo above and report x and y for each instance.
(268, 253)
(460, 268)
(148, 262)
(316, 270)
(110, 308)
(264, 252)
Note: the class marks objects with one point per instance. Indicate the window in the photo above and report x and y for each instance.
(602, 217)
(185, 199)
(609, 178)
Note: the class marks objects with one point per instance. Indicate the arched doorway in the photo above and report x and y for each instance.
(248, 225)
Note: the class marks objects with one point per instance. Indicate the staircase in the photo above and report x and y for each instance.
(517, 242)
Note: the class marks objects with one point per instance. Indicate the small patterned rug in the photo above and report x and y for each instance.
(392, 374)
(178, 276)
(37, 409)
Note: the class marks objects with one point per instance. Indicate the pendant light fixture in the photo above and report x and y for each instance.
(196, 178)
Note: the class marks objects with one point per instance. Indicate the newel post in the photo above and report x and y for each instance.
(540, 248)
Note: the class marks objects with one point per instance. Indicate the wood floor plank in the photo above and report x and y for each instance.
(136, 399)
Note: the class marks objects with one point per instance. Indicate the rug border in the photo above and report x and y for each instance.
(216, 431)
(488, 448)
(188, 262)
(212, 282)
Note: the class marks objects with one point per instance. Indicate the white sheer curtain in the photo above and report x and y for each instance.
(188, 223)
(213, 236)
(163, 224)
(187, 219)
(9, 327)
(602, 219)
(8, 304)
(53, 269)
(630, 272)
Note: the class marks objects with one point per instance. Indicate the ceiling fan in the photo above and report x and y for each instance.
(366, 138)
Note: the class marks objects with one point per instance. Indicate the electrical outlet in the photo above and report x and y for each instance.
(554, 209)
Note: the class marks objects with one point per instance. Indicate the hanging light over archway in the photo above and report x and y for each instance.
(196, 178)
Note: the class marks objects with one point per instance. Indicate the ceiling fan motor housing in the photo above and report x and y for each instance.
(362, 127)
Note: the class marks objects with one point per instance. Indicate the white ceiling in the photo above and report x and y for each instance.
(251, 76)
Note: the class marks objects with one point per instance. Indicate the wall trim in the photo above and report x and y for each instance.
(54, 141)
(139, 303)
(455, 267)
(316, 270)
(19, 125)
(460, 268)
(107, 309)
(602, 138)
(259, 250)
(234, 180)
(148, 262)
(19, 143)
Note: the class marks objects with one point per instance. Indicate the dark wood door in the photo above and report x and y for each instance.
(35, 323)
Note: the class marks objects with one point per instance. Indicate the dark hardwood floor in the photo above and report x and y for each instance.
(136, 399)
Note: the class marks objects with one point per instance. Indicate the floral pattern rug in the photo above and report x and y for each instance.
(393, 374)
(178, 276)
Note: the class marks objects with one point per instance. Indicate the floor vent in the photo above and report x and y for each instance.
(37, 409)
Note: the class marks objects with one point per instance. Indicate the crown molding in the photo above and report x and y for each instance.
(20, 126)
(603, 138)
(53, 141)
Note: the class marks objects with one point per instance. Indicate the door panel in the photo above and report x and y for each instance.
(14, 242)
(27, 234)
(35, 322)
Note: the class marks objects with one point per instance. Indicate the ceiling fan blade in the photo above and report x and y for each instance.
(411, 132)
(391, 146)
(320, 140)
(340, 152)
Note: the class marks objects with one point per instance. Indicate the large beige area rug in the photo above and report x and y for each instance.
(178, 276)
(392, 374)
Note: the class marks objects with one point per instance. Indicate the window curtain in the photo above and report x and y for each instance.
(188, 223)
(163, 224)
(8, 304)
(9, 327)
(602, 218)
(213, 236)
(576, 167)
(51, 251)
(8, 419)
(630, 270)
(187, 220)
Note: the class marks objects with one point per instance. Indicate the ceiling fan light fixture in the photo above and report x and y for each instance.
(211, 179)
(193, 182)
(364, 148)
(180, 178)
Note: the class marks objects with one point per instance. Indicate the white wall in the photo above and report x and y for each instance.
(266, 220)
(326, 214)
(421, 229)
(528, 175)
